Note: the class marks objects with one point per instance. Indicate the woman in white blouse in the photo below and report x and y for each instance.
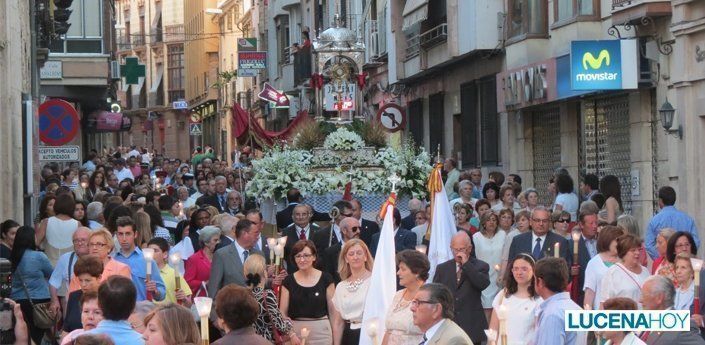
(600, 263)
(685, 292)
(566, 200)
(518, 301)
(412, 271)
(625, 279)
(355, 268)
(488, 248)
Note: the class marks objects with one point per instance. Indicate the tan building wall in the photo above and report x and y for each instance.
(14, 80)
(197, 52)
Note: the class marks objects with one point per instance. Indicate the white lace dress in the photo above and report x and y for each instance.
(400, 323)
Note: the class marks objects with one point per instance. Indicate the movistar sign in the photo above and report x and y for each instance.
(603, 65)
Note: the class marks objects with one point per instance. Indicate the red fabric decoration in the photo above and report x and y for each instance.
(361, 80)
(243, 127)
(347, 195)
(317, 81)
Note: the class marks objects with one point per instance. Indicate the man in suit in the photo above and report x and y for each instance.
(331, 235)
(403, 238)
(294, 197)
(587, 248)
(350, 229)
(227, 265)
(409, 222)
(220, 199)
(302, 229)
(255, 216)
(367, 227)
(539, 242)
(433, 314)
(466, 277)
(658, 293)
(233, 203)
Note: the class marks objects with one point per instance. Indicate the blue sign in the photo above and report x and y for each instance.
(179, 105)
(563, 87)
(596, 65)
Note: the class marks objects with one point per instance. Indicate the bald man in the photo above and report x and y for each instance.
(63, 271)
(466, 277)
(349, 229)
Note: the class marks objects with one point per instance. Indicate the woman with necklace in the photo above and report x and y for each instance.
(306, 296)
(355, 268)
(600, 263)
(399, 324)
(488, 248)
(685, 292)
(625, 278)
(519, 299)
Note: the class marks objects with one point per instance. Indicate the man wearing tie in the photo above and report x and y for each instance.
(227, 265)
(220, 199)
(539, 242)
(302, 229)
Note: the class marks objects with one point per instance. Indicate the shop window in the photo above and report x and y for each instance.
(526, 18)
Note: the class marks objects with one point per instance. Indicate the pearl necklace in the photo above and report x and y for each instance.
(355, 284)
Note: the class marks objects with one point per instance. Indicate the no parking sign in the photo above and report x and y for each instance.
(58, 122)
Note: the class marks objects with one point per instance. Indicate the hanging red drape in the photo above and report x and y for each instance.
(245, 123)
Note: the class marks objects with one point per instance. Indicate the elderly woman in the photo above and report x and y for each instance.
(532, 198)
(625, 278)
(661, 245)
(685, 292)
(198, 265)
(413, 268)
(91, 315)
(170, 324)
(269, 317)
(136, 319)
(100, 245)
(488, 248)
(630, 224)
(355, 268)
(508, 199)
(561, 221)
(680, 242)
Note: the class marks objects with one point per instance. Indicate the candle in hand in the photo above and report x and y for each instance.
(148, 254)
(282, 240)
(271, 243)
(279, 252)
(175, 260)
(556, 250)
(421, 248)
(697, 266)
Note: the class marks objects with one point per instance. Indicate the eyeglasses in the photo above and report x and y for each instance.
(544, 221)
(355, 228)
(303, 256)
(80, 240)
(97, 245)
(459, 250)
(415, 302)
(346, 214)
(563, 221)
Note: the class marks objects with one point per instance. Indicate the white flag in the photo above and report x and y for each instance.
(442, 231)
(383, 283)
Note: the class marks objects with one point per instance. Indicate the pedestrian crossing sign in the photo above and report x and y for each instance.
(196, 129)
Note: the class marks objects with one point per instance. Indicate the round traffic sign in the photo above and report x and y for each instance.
(392, 117)
(195, 118)
(58, 122)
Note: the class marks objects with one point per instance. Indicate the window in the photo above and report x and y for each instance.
(435, 121)
(86, 32)
(415, 116)
(283, 39)
(479, 119)
(527, 18)
(175, 70)
(229, 21)
(568, 11)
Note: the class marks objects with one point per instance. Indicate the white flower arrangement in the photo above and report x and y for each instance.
(343, 140)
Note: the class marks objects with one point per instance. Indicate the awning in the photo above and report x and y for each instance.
(157, 17)
(158, 80)
(415, 11)
(136, 91)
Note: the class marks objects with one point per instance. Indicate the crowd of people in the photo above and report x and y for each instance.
(124, 244)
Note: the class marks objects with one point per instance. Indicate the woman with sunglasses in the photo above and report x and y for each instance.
(518, 299)
(561, 220)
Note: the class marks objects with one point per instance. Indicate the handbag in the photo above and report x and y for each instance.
(41, 312)
(278, 337)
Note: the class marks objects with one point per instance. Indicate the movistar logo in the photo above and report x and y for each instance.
(596, 63)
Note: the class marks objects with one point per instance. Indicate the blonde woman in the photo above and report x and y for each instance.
(100, 245)
(170, 324)
(269, 316)
(355, 267)
(144, 229)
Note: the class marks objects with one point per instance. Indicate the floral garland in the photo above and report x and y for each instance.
(343, 140)
(281, 169)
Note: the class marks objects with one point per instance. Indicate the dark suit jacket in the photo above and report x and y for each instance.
(469, 314)
(291, 238)
(369, 228)
(583, 259)
(691, 337)
(211, 200)
(409, 222)
(522, 243)
(329, 261)
(324, 238)
(404, 239)
(224, 242)
(284, 217)
(227, 268)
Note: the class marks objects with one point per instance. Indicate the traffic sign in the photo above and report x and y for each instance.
(58, 122)
(179, 105)
(67, 153)
(194, 118)
(196, 129)
(392, 117)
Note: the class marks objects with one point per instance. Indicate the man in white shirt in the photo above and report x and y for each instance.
(433, 308)
(450, 166)
(133, 152)
(121, 172)
(59, 280)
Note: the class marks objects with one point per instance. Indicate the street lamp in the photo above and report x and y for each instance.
(667, 113)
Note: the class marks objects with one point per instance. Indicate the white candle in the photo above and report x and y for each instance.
(271, 243)
(556, 250)
(282, 240)
(502, 316)
(175, 260)
(148, 254)
(421, 248)
(279, 252)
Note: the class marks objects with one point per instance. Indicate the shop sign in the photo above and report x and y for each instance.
(603, 65)
(528, 85)
(252, 60)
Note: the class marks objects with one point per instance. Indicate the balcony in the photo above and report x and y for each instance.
(173, 33)
(435, 36)
(635, 11)
(413, 47)
(123, 43)
(302, 65)
(157, 35)
(138, 41)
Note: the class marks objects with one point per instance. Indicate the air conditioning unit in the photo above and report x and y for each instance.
(114, 70)
(374, 44)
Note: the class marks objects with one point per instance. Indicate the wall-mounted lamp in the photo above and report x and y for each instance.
(667, 113)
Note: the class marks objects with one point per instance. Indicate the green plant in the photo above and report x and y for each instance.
(308, 135)
(224, 78)
(374, 134)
